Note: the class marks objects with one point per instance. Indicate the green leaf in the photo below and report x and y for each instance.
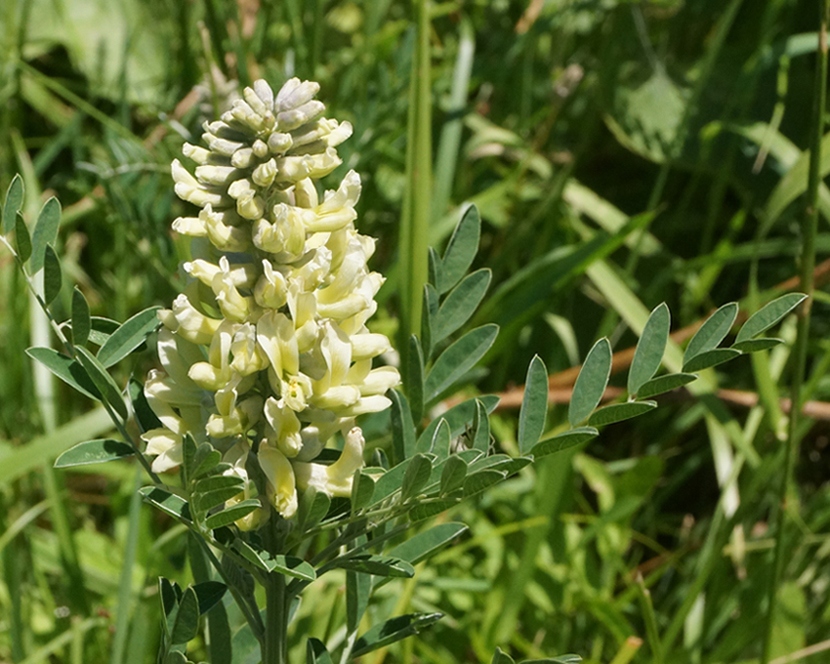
(52, 279)
(378, 565)
(434, 267)
(458, 359)
(428, 311)
(288, 565)
(650, 348)
(484, 479)
(712, 332)
(358, 590)
(415, 379)
(481, 428)
(591, 382)
(461, 250)
(101, 330)
(563, 441)
(710, 358)
(363, 486)
(416, 476)
(428, 510)
(209, 593)
(67, 369)
(316, 652)
(403, 429)
(426, 544)
(46, 232)
(562, 659)
(219, 482)
(94, 451)
(187, 619)
(501, 657)
(176, 657)
(231, 514)
(103, 381)
(441, 440)
(458, 417)
(534, 410)
(393, 630)
(769, 315)
(167, 502)
(619, 412)
(460, 304)
(453, 474)
(314, 505)
(391, 481)
(81, 321)
(128, 337)
(21, 239)
(13, 203)
(205, 502)
(665, 383)
(206, 459)
(755, 345)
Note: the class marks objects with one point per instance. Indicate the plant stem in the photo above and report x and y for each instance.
(809, 229)
(275, 650)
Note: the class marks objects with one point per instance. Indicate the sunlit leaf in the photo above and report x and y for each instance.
(94, 451)
(591, 382)
(650, 348)
(769, 315)
(534, 409)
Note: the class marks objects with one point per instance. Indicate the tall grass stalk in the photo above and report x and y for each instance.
(809, 230)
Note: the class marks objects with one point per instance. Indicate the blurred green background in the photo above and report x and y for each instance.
(664, 135)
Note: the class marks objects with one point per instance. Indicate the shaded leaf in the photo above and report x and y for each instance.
(665, 383)
(434, 267)
(187, 619)
(534, 410)
(591, 382)
(52, 278)
(458, 417)
(458, 359)
(167, 502)
(423, 545)
(94, 451)
(650, 348)
(755, 345)
(128, 337)
(710, 358)
(461, 250)
(415, 379)
(206, 459)
(428, 510)
(67, 369)
(453, 474)
(209, 593)
(416, 476)
(619, 412)
(230, 514)
(101, 330)
(377, 565)
(358, 589)
(563, 441)
(314, 505)
(316, 652)
(288, 565)
(363, 486)
(478, 482)
(103, 381)
(712, 332)
(393, 630)
(81, 321)
(769, 315)
(427, 314)
(481, 428)
(441, 440)
(460, 304)
(21, 239)
(45, 232)
(13, 203)
(403, 428)
(501, 657)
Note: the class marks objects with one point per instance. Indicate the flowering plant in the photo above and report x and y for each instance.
(267, 362)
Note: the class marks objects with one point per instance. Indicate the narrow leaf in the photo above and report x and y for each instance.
(481, 428)
(206, 459)
(434, 268)
(316, 652)
(219, 482)
(461, 249)
(416, 476)
(663, 384)
(94, 451)
(103, 381)
(314, 505)
(81, 321)
(427, 314)
(459, 418)
(650, 348)
(377, 565)
(403, 429)
(534, 410)
(288, 565)
(453, 474)
(209, 593)
(128, 337)
(363, 486)
(441, 440)
(769, 315)
(460, 304)
(591, 382)
(563, 441)
(415, 379)
(423, 511)
(167, 502)
(101, 330)
(426, 544)
(231, 514)
(501, 657)
(458, 359)
(710, 358)
(52, 279)
(67, 369)
(620, 411)
(358, 590)
(478, 482)
(712, 332)
(45, 232)
(755, 345)
(21, 239)
(393, 630)
(13, 203)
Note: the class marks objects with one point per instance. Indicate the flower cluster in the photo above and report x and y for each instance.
(267, 350)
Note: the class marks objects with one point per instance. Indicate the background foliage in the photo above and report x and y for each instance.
(621, 154)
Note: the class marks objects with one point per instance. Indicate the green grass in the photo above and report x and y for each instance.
(613, 151)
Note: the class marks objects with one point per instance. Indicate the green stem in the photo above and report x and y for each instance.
(809, 230)
(275, 649)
